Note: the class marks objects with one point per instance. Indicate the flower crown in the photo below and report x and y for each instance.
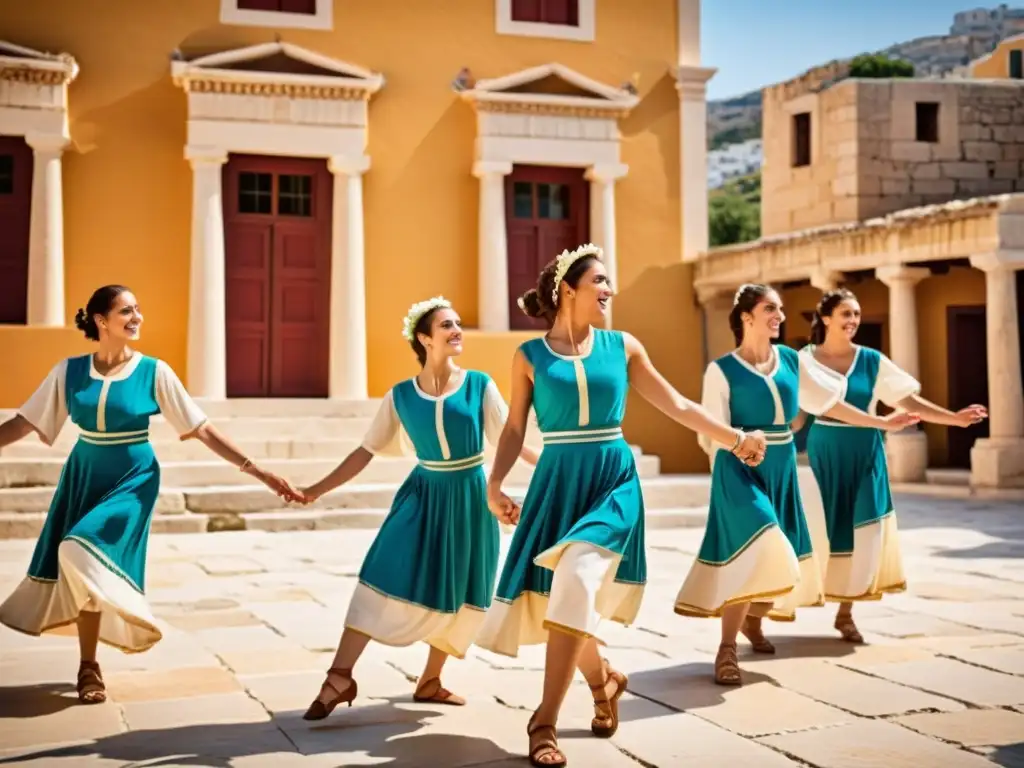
(418, 310)
(566, 260)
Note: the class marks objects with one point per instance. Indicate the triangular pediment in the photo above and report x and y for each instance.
(554, 80)
(284, 63)
(59, 67)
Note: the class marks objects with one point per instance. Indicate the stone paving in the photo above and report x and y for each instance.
(251, 618)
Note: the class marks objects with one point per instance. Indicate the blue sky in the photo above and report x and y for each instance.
(754, 43)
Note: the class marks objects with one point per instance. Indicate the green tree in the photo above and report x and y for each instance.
(732, 219)
(878, 65)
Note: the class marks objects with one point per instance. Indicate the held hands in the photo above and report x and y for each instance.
(972, 414)
(894, 422)
(751, 448)
(279, 485)
(501, 506)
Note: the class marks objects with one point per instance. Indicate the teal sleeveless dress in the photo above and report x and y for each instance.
(850, 467)
(584, 491)
(429, 574)
(757, 547)
(91, 553)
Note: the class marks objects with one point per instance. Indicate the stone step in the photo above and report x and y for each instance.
(26, 472)
(276, 407)
(942, 476)
(27, 525)
(661, 492)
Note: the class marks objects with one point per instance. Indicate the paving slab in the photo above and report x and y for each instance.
(954, 679)
(972, 727)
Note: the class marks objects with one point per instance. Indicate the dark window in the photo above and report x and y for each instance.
(1017, 64)
(255, 192)
(801, 139)
(522, 200)
(295, 195)
(6, 174)
(927, 117)
(307, 7)
(552, 201)
(564, 12)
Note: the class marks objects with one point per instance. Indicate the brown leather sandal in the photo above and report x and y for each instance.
(91, 688)
(753, 632)
(319, 709)
(848, 629)
(606, 709)
(727, 667)
(441, 695)
(544, 751)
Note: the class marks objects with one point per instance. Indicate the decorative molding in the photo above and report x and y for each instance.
(692, 81)
(584, 32)
(603, 100)
(25, 65)
(323, 19)
(208, 74)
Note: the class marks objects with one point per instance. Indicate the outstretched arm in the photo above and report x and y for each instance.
(936, 414)
(850, 414)
(15, 428)
(513, 435)
(351, 466)
(219, 443)
(653, 387)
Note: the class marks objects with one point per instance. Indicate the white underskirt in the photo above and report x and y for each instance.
(395, 622)
(584, 593)
(84, 583)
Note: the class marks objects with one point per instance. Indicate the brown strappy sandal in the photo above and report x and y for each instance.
(848, 629)
(318, 710)
(441, 695)
(727, 667)
(545, 746)
(91, 688)
(753, 632)
(606, 710)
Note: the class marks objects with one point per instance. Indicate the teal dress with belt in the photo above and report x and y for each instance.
(585, 490)
(91, 553)
(429, 574)
(849, 464)
(757, 546)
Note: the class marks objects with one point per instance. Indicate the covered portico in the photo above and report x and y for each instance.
(987, 233)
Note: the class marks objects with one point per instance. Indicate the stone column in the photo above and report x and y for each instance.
(492, 267)
(691, 82)
(46, 231)
(207, 348)
(348, 367)
(998, 461)
(907, 451)
(718, 338)
(602, 180)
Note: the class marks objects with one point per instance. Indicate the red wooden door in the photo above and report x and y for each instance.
(15, 215)
(277, 232)
(547, 210)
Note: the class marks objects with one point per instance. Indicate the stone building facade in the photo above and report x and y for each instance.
(855, 149)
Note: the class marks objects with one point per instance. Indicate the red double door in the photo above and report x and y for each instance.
(277, 231)
(15, 220)
(547, 210)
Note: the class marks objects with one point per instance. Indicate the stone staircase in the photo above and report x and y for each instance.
(301, 440)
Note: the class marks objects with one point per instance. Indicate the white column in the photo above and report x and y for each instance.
(691, 82)
(207, 367)
(348, 368)
(602, 180)
(999, 459)
(717, 304)
(46, 232)
(907, 450)
(492, 277)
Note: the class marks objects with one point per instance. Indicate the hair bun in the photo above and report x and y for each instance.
(81, 320)
(530, 303)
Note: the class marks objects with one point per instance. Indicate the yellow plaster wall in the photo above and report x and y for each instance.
(996, 65)
(127, 187)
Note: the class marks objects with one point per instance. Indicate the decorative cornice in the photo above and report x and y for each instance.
(210, 84)
(24, 65)
(547, 108)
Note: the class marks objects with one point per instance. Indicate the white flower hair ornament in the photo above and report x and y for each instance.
(565, 262)
(418, 310)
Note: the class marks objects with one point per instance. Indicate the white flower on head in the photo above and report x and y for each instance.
(565, 262)
(418, 310)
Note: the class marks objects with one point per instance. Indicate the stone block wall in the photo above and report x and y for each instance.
(866, 159)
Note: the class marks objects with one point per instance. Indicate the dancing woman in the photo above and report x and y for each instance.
(429, 574)
(577, 555)
(88, 572)
(850, 466)
(756, 547)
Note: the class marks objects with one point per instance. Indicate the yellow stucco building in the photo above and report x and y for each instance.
(277, 180)
(1006, 61)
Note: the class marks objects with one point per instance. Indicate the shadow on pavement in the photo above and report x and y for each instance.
(1001, 520)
